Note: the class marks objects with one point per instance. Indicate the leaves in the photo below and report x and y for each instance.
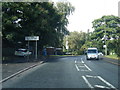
(75, 41)
(43, 19)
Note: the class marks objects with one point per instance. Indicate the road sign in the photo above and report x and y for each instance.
(32, 38)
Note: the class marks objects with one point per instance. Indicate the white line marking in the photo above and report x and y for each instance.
(75, 61)
(82, 61)
(89, 76)
(77, 67)
(100, 86)
(87, 67)
(106, 82)
(87, 82)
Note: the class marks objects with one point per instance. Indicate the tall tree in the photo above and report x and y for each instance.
(108, 24)
(22, 19)
(107, 28)
(75, 40)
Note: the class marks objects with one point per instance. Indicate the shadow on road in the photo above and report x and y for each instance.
(15, 60)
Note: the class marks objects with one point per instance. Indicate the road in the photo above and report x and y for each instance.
(68, 72)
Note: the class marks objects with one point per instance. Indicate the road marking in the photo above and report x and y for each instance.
(75, 61)
(82, 61)
(77, 67)
(83, 65)
(106, 82)
(87, 82)
(87, 67)
(89, 76)
(100, 86)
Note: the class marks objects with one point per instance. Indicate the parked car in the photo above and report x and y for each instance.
(100, 54)
(92, 53)
(22, 52)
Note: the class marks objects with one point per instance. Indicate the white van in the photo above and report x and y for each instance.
(92, 53)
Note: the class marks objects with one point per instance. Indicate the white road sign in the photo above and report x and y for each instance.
(32, 38)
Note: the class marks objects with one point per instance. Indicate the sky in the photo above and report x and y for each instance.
(87, 11)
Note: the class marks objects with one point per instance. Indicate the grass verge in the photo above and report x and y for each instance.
(113, 57)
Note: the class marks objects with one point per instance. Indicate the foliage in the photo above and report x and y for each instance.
(75, 41)
(108, 24)
(43, 19)
(106, 28)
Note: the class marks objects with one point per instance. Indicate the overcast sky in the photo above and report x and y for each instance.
(88, 10)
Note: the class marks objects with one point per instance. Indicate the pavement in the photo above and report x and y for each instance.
(20, 64)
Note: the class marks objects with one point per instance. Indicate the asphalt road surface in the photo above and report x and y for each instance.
(68, 72)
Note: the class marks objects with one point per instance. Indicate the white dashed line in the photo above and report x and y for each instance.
(106, 82)
(75, 61)
(77, 67)
(98, 86)
(82, 61)
(87, 67)
(89, 76)
(87, 82)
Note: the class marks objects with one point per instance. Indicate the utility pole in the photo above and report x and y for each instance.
(88, 34)
(105, 43)
(105, 37)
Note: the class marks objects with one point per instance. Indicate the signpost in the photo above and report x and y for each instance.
(32, 38)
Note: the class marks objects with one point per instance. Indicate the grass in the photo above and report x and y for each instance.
(113, 56)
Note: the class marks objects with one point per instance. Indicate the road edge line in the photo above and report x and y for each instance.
(17, 73)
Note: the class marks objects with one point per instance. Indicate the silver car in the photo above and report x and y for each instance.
(22, 52)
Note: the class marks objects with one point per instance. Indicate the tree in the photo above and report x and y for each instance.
(75, 41)
(64, 9)
(106, 23)
(107, 27)
(22, 19)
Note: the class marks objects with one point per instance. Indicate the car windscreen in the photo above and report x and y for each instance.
(92, 51)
